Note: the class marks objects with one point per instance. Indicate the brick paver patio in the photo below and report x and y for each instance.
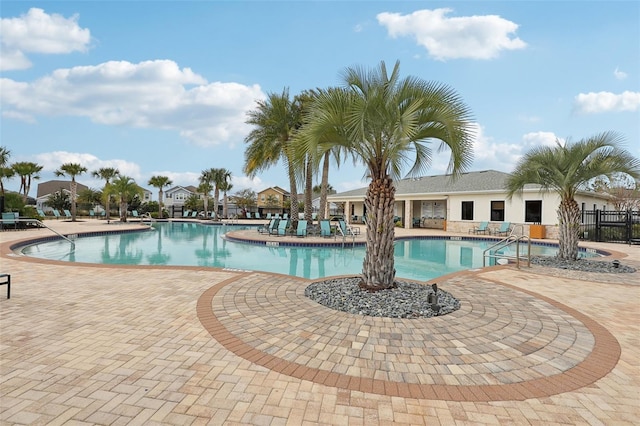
(88, 344)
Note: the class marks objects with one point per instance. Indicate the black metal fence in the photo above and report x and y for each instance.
(610, 226)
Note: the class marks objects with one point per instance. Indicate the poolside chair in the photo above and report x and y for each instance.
(505, 229)
(9, 220)
(301, 231)
(134, 213)
(285, 216)
(480, 229)
(273, 226)
(268, 216)
(266, 229)
(56, 213)
(40, 213)
(186, 213)
(92, 213)
(282, 227)
(257, 215)
(325, 228)
(194, 213)
(67, 213)
(6, 281)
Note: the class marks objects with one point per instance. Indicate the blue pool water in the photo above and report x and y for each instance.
(191, 244)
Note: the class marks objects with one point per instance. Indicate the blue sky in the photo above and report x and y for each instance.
(163, 87)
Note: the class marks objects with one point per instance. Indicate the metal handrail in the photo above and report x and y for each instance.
(40, 223)
(506, 242)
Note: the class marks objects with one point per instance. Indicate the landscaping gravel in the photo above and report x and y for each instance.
(582, 265)
(407, 300)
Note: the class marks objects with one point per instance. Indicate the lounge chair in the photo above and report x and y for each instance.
(268, 216)
(40, 213)
(325, 228)
(480, 229)
(9, 220)
(505, 229)
(186, 213)
(6, 281)
(67, 213)
(92, 213)
(56, 213)
(257, 215)
(273, 226)
(301, 231)
(282, 227)
(134, 213)
(194, 213)
(266, 229)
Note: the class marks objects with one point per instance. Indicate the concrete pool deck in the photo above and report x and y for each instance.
(100, 344)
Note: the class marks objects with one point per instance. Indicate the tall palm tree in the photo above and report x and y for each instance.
(221, 179)
(207, 178)
(125, 188)
(72, 170)
(106, 174)
(160, 182)
(6, 172)
(275, 121)
(225, 188)
(568, 167)
(388, 122)
(27, 171)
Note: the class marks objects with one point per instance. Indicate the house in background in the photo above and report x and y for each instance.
(272, 200)
(48, 188)
(176, 196)
(439, 202)
(146, 195)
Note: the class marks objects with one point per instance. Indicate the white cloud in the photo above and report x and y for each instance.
(52, 161)
(150, 94)
(619, 75)
(540, 138)
(593, 103)
(39, 32)
(475, 37)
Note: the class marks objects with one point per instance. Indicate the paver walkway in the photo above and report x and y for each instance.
(165, 345)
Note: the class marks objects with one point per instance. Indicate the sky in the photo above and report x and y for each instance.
(163, 87)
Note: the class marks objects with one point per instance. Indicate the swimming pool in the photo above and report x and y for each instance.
(193, 244)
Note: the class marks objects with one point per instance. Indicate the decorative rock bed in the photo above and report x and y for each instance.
(583, 265)
(406, 300)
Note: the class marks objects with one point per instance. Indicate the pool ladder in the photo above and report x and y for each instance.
(40, 223)
(344, 236)
(512, 238)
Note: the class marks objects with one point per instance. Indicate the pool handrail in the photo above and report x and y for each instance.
(43, 225)
(506, 242)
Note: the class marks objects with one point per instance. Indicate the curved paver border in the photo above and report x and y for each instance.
(600, 361)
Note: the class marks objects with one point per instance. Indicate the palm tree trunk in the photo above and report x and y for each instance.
(123, 211)
(378, 270)
(216, 195)
(294, 192)
(308, 190)
(225, 204)
(74, 189)
(322, 214)
(568, 228)
(160, 203)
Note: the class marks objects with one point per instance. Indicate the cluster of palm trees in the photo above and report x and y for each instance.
(388, 123)
(26, 170)
(216, 180)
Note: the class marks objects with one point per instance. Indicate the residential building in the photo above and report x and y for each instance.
(272, 200)
(46, 189)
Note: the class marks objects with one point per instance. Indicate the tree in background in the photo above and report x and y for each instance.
(225, 188)
(106, 174)
(275, 122)
(72, 170)
(125, 189)
(568, 167)
(624, 193)
(90, 197)
(160, 182)
(59, 200)
(6, 172)
(27, 171)
(245, 199)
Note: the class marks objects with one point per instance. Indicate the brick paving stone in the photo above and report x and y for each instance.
(137, 345)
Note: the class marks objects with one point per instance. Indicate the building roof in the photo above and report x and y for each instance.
(276, 189)
(482, 181)
(51, 186)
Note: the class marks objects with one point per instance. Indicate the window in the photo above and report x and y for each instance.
(497, 211)
(467, 210)
(533, 211)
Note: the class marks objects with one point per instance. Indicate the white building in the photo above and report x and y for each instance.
(459, 205)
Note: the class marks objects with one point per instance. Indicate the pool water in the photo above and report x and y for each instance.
(192, 244)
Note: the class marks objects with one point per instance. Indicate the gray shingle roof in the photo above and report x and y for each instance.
(51, 186)
(482, 181)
